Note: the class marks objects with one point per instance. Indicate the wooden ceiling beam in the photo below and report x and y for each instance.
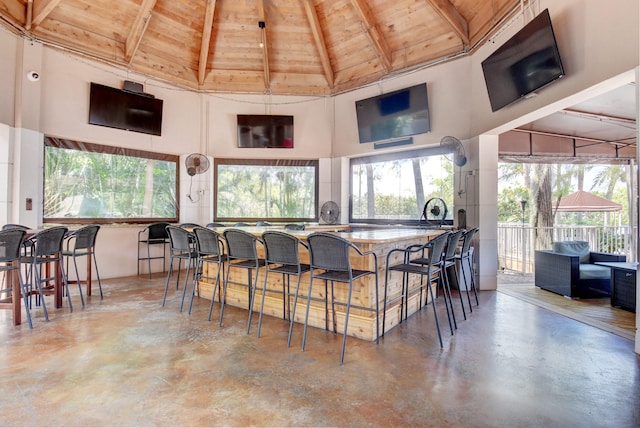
(206, 40)
(42, 9)
(318, 37)
(137, 30)
(449, 13)
(376, 39)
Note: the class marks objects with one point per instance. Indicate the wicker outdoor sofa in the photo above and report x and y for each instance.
(569, 269)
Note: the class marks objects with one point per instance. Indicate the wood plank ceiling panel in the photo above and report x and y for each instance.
(483, 16)
(14, 11)
(313, 46)
(412, 32)
(346, 40)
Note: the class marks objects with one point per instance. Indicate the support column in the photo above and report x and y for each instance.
(487, 220)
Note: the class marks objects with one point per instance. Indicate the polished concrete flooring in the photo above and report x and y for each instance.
(127, 361)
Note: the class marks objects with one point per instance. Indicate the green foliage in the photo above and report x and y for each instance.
(265, 191)
(607, 181)
(509, 206)
(83, 184)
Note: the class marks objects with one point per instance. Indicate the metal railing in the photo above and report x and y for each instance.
(517, 243)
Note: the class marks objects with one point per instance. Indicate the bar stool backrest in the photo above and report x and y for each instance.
(15, 226)
(208, 242)
(157, 232)
(179, 238)
(241, 244)
(294, 226)
(189, 225)
(452, 245)
(85, 237)
(215, 224)
(49, 241)
(281, 248)
(437, 248)
(466, 241)
(10, 244)
(329, 252)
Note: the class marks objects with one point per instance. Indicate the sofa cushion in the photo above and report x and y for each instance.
(588, 271)
(573, 248)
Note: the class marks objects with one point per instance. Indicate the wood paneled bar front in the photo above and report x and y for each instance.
(361, 322)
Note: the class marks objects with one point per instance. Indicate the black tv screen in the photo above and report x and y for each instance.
(265, 131)
(524, 64)
(120, 109)
(392, 115)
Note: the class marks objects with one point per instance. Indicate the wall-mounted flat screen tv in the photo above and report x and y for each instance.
(524, 64)
(265, 131)
(116, 108)
(392, 115)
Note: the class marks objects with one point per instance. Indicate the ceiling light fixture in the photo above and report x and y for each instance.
(261, 26)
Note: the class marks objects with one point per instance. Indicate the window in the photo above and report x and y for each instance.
(91, 183)
(258, 189)
(394, 188)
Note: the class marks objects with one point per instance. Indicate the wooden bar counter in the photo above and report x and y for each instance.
(361, 322)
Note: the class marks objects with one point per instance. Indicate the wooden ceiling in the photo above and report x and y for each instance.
(308, 47)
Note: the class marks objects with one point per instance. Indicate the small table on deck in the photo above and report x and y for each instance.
(623, 284)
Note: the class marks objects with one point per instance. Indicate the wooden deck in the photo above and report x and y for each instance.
(595, 312)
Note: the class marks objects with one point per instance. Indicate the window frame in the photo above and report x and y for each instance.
(315, 163)
(393, 156)
(63, 143)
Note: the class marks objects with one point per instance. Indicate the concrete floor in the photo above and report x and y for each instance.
(126, 361)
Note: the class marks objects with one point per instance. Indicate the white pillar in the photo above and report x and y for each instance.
(487, 208)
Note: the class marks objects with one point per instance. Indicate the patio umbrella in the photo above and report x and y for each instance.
(582, 201)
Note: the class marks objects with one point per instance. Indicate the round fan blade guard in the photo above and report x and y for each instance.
(435, 211)
(459, 155)
(330, 212)
(196, 163)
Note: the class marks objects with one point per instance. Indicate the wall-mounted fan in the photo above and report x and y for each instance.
(330, 212)
(435, 211)
(455, 146)
(195, 163)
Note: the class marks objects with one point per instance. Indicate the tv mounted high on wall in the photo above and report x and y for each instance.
(116, 108)
(396, 114)
(524, 64)
(265, 131)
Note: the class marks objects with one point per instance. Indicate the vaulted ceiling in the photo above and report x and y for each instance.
(305, 47)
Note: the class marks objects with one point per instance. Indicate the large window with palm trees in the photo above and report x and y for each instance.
(266, 190)
(394, 188)
(93, 183)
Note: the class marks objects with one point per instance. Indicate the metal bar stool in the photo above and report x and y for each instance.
(181, 248)
(209, 249)
(242, 253)
(46, 249)
(84, 242)
(449, 264)
(153, 235)
(431, 270)
(465, 255)
(10, 248)
(331, 255)
(282, 256)
(435, 261)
